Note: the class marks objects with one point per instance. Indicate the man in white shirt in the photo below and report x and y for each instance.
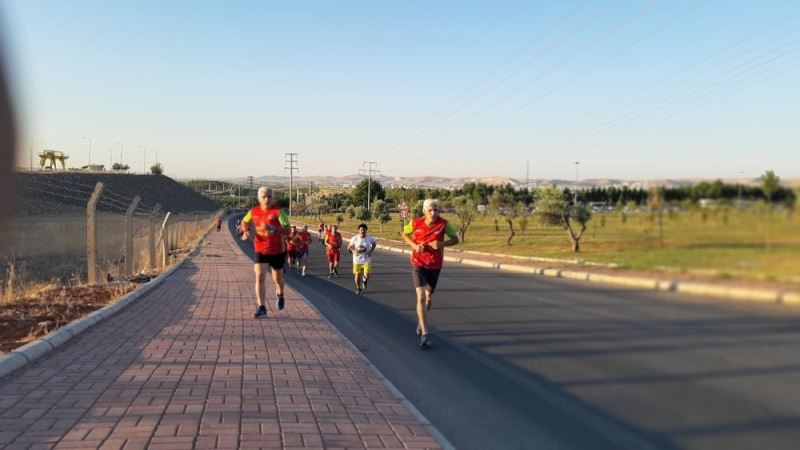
(362, 246)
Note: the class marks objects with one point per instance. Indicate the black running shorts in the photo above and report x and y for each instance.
(425, 278)
(275, 261)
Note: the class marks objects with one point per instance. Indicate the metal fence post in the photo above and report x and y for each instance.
(91, 234)
(162, 239)
(151, 238)
(129, 235)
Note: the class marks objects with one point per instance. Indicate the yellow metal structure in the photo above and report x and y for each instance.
(51, 157)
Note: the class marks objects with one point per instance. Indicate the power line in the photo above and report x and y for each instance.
(501, 66)
(624, 23)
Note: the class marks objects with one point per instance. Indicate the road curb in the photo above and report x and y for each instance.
(30, 352)
(657, 284)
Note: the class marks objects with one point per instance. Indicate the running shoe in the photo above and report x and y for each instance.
(365, 285)
(303, 273)
(279, 303)
(330, 275)
(336, 271)
(261, 312)
(358, 291)
(425, 341)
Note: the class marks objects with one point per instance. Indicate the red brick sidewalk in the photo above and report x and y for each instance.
(186, 366)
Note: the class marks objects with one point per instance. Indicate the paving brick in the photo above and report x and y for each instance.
(186, 367)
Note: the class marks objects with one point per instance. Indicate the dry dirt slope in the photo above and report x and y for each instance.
(74, 189)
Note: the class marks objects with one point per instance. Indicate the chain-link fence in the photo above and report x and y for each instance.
(81, 231)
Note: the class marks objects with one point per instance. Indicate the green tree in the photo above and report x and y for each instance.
(770, 183)
(157, 169)
(363, 214)
(360, 193)
(553, 208)
(502, 204)
(416, 211)
(380, 211)
(465, 211)
(656, 203)
(351, 211)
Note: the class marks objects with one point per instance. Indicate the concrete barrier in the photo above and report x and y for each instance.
(573, 275)
(520, 269)
(479, 263)
(34, 350)
(10, 362)
(733, 293)
(790, 298)
(645, 283)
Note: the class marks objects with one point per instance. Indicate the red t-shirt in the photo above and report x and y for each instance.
(268, 240)
(291, 240)
(422, 233)
(303, 239)
(334, 239)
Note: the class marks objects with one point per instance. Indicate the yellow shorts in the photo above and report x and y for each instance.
(361, 268)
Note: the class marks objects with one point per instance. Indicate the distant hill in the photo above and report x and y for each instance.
(48, 193)
(455, 182)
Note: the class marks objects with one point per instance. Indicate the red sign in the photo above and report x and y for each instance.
(403, 208)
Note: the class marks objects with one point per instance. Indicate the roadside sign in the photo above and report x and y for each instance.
(403, 208)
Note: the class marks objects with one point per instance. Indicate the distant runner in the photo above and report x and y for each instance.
(321, 231)
(219, 224)
(302, 247)
(333, 245)
(362, 246)
(426, 236)
(291, 248)
(271, 225)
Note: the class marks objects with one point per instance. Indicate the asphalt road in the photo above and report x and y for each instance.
(522, 361)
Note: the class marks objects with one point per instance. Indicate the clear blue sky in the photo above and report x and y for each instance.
(631, 89)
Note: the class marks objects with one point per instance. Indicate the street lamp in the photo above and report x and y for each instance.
(90, 152)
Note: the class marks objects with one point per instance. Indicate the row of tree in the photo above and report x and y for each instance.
(551, 205)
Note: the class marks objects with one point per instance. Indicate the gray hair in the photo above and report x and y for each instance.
(430, 202)
(263, 189)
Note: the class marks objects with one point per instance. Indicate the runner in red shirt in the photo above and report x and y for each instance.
(333, 247)
(321, 231)
(301, 248)
(271, 225)
(291, 248)
(426, 236)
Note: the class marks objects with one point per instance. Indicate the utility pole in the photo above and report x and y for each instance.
(292, 161)
(528, 175)
(577, 164)
(370, 165)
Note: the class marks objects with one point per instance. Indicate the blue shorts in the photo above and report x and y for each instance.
(301, 253)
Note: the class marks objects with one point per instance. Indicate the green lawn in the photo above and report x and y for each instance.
(725, 244)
